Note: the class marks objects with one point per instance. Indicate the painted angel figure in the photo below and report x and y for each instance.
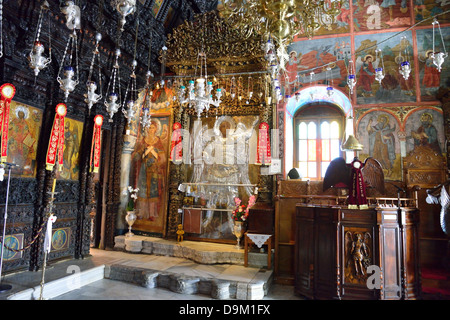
(221, 157)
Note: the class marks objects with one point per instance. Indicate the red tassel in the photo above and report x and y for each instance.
(56, 144)
(96, 143)
(7, 92)
(263, 150)
(176, 151)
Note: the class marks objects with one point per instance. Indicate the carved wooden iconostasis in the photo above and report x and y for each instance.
(223, 138)
(86, 203)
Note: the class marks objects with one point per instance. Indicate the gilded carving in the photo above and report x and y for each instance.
(228, 49)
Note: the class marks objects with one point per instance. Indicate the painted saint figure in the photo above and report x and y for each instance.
(382, 142)
(150, 160)
(431, 76)
(426, 134)
(367, 76)
(22, 144)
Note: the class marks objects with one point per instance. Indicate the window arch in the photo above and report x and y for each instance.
(318, 131)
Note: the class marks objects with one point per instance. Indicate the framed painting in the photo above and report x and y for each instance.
(308, 56)
(383, 14)
(378, 133)
(73, 131)
(15, 242)
(156, 7)
(24, 129)
(394, 88)
(425, 126)
(430, 77)
(60, 239)
(149, 173)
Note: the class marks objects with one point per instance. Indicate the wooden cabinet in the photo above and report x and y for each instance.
(261, 218)
(335, 247)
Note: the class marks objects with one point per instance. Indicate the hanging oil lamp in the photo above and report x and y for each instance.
(351, 77)
(36, 58)
(404, 67)
(67, 84)
(125, 8)
(112, 106)
(330, 90)
(73, 15)
(113, 102)
(91, 96)
(379, 72)
(438, 58)
(130, 110)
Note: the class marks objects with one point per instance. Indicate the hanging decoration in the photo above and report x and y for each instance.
(130, 111)
(7, 92)
(67, 84)
(263, 148)
(199, 95)
(281, 19)
(73, 18)
(176, 150)
(249, 89)
(145, 117)
(91, 96)
(73, 15)
(351, 77)
(379, 71)
(404, 65)
(55, 149)
(329, 83)
(438, 57)
(113, 104)
(96, 144)
(36, 58)
(125, 8)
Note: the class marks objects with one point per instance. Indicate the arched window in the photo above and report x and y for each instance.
(318, 131)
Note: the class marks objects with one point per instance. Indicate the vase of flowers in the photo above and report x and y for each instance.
(131, 216)
(239, 216)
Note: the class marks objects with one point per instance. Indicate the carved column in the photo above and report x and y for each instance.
(113, 191)
(444, 96)
(175, 178)
(82, 237)
(44, 186)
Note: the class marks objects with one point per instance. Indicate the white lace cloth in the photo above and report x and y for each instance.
(258, 239)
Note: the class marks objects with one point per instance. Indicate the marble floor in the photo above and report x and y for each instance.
(106, 289)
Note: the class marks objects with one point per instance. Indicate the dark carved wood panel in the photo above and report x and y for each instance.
(335, 247)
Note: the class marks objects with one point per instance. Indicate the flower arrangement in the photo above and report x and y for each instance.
(133, 198)
(241, 211)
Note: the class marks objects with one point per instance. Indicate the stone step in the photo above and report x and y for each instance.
(199, 252)
(187, 284)
(60, 286)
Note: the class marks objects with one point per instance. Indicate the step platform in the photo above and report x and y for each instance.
(203, 268)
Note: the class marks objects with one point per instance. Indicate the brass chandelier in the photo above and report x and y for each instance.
(282, 19)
